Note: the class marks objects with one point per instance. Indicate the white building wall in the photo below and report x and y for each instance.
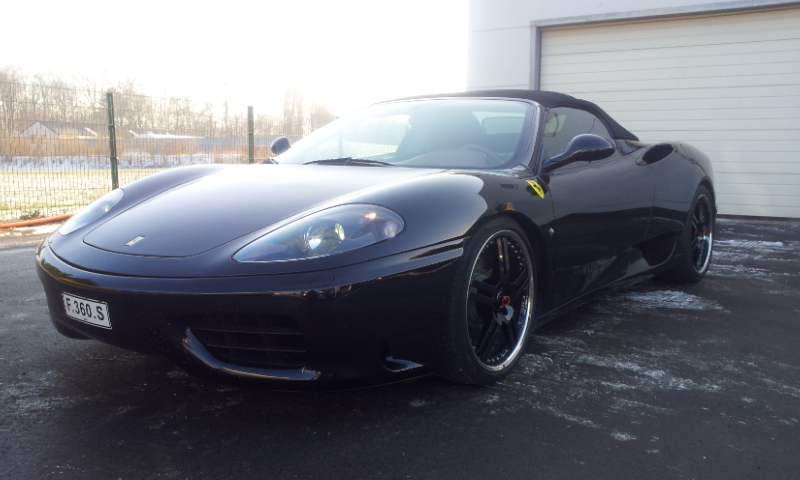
(499, 33)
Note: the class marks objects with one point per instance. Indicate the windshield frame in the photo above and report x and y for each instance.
(521, 156)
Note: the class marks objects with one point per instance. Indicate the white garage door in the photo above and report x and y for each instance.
(727, 84)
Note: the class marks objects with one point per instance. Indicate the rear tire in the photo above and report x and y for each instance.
(695, 244)
(491, 306)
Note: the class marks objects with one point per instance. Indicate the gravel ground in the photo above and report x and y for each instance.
(656, 381)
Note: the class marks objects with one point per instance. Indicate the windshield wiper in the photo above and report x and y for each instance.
(349, 161)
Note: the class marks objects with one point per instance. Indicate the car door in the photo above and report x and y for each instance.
(601, 207)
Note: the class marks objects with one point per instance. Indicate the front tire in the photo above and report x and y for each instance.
(491, 306)
(695, 244)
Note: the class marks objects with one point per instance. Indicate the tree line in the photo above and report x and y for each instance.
(25, 99)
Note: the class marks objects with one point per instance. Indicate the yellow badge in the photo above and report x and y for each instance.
(536, 188)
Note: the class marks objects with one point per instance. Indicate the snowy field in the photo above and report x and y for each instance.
(129, 160)
(34, 187)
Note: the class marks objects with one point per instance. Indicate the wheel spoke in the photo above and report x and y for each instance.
(520, 285)
(489, 290)
(481, 298)
(702, 214)
(487, 338)
(503, 260)
(700, 251)
(510, 331)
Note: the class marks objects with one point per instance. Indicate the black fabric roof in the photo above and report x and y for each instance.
(547, 100)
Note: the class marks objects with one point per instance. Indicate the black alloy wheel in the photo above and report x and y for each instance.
(695, 243)
(702, 235)
(493, 305)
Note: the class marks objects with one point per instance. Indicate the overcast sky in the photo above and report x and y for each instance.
(349, 52)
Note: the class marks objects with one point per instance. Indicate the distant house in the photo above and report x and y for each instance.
(154, 133)
(155, 141)
(62, 130)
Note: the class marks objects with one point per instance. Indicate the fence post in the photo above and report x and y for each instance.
(112, 141)
(251, 147)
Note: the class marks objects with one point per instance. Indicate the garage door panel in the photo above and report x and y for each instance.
(731, 93)
(754, 197)
(755, 206)
(738, 189)
(755, 179)
(759, 211)
(736, 139)
(650, 43)
(586, 64)
(731, 23)
(740, 81)
(776, 163)
(752, 114)
(765, 149)
(729, 53)
(683, 74)
(713, 125)
(717, 105)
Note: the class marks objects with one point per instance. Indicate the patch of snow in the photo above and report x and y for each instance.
(100, 162)
(668, 299)
(622, 437)
(741, 271)
(751, 244)
(571, 418)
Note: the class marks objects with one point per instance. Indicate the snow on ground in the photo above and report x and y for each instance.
(91, 162)
(613, 353)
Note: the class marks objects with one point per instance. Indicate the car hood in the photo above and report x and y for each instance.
(200, 215)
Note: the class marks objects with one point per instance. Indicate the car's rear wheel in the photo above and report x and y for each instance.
(696, 241)
(492, 305)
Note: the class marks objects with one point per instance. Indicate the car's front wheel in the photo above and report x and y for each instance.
(491, 307)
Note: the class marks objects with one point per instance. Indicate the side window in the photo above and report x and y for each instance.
(563, 124)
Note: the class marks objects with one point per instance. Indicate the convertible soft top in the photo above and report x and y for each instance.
(547, 100)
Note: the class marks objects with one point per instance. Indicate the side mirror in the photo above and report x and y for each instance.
(583, 148)
(279, 145)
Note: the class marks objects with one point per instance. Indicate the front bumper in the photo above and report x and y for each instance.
(369, 323)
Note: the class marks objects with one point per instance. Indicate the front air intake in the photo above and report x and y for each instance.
(259, 341)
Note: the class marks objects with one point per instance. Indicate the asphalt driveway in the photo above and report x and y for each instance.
(657, 381)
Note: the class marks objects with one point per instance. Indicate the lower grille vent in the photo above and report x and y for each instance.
(253, 340)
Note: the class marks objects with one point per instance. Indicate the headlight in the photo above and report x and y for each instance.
(92, 212)
(328, 232)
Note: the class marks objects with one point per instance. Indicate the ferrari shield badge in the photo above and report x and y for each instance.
(536, 188)
(133, 241)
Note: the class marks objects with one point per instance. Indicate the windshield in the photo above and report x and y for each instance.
(439, 133)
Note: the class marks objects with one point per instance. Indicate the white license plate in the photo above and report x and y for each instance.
(86, 310)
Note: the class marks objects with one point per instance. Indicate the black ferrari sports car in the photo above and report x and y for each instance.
(416, 236)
